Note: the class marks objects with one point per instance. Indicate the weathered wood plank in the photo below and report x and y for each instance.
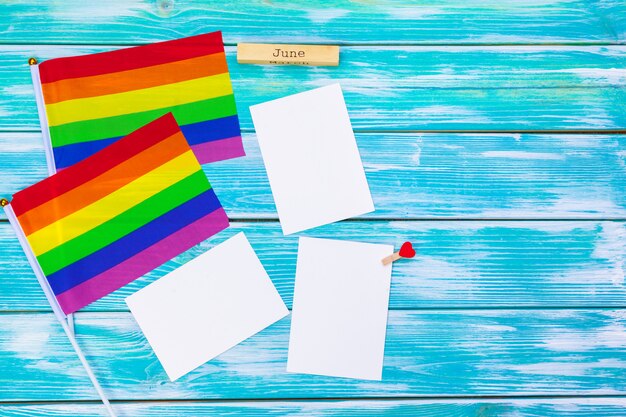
(341, 21)
(410, 88)
(434, 353)
(422, 175)
(545, 407)
(458, 264)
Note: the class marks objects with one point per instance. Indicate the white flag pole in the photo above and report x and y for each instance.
(56, 308)
(43, 119)
(45, 132)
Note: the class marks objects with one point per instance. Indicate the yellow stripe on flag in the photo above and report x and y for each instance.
(113, 204)
(139, 100)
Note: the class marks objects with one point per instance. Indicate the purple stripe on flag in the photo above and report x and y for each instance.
(218, 150)
(142, 263)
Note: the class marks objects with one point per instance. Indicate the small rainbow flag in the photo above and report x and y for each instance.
(87, 102)
(118, 214)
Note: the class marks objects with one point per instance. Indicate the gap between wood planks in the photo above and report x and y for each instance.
(437, 131)
(341, 44)
(437, 219)
(493, 398)
(415, 309)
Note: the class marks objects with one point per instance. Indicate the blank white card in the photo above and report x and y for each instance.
(312, 160)
(207, 306)
(339, 315)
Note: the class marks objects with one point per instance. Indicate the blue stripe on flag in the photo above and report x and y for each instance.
(133, 243)
(195, 133)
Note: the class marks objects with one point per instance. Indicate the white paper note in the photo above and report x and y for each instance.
(340, 304)
(312, 160)
(207, 306)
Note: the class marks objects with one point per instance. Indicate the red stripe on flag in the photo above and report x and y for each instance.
(88, 169)
(131, 58)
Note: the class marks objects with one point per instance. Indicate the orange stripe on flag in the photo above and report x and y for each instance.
(99, 187)
(136, 79)
(113, 204)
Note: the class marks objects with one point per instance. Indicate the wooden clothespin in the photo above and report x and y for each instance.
(406, 251)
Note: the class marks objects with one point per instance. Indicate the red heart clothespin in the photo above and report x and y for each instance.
(406, 251)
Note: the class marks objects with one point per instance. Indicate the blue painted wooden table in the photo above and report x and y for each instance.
(492, 134)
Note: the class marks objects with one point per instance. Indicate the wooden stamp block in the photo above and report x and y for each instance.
(283, 54)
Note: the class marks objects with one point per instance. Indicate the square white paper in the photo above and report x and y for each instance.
(339, 314)
(312, 160)
(207, 306)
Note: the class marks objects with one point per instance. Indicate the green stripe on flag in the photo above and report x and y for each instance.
(112, 127)
(124, 223)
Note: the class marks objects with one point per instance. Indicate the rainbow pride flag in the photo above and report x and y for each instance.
(118, 214)
(87, 102)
